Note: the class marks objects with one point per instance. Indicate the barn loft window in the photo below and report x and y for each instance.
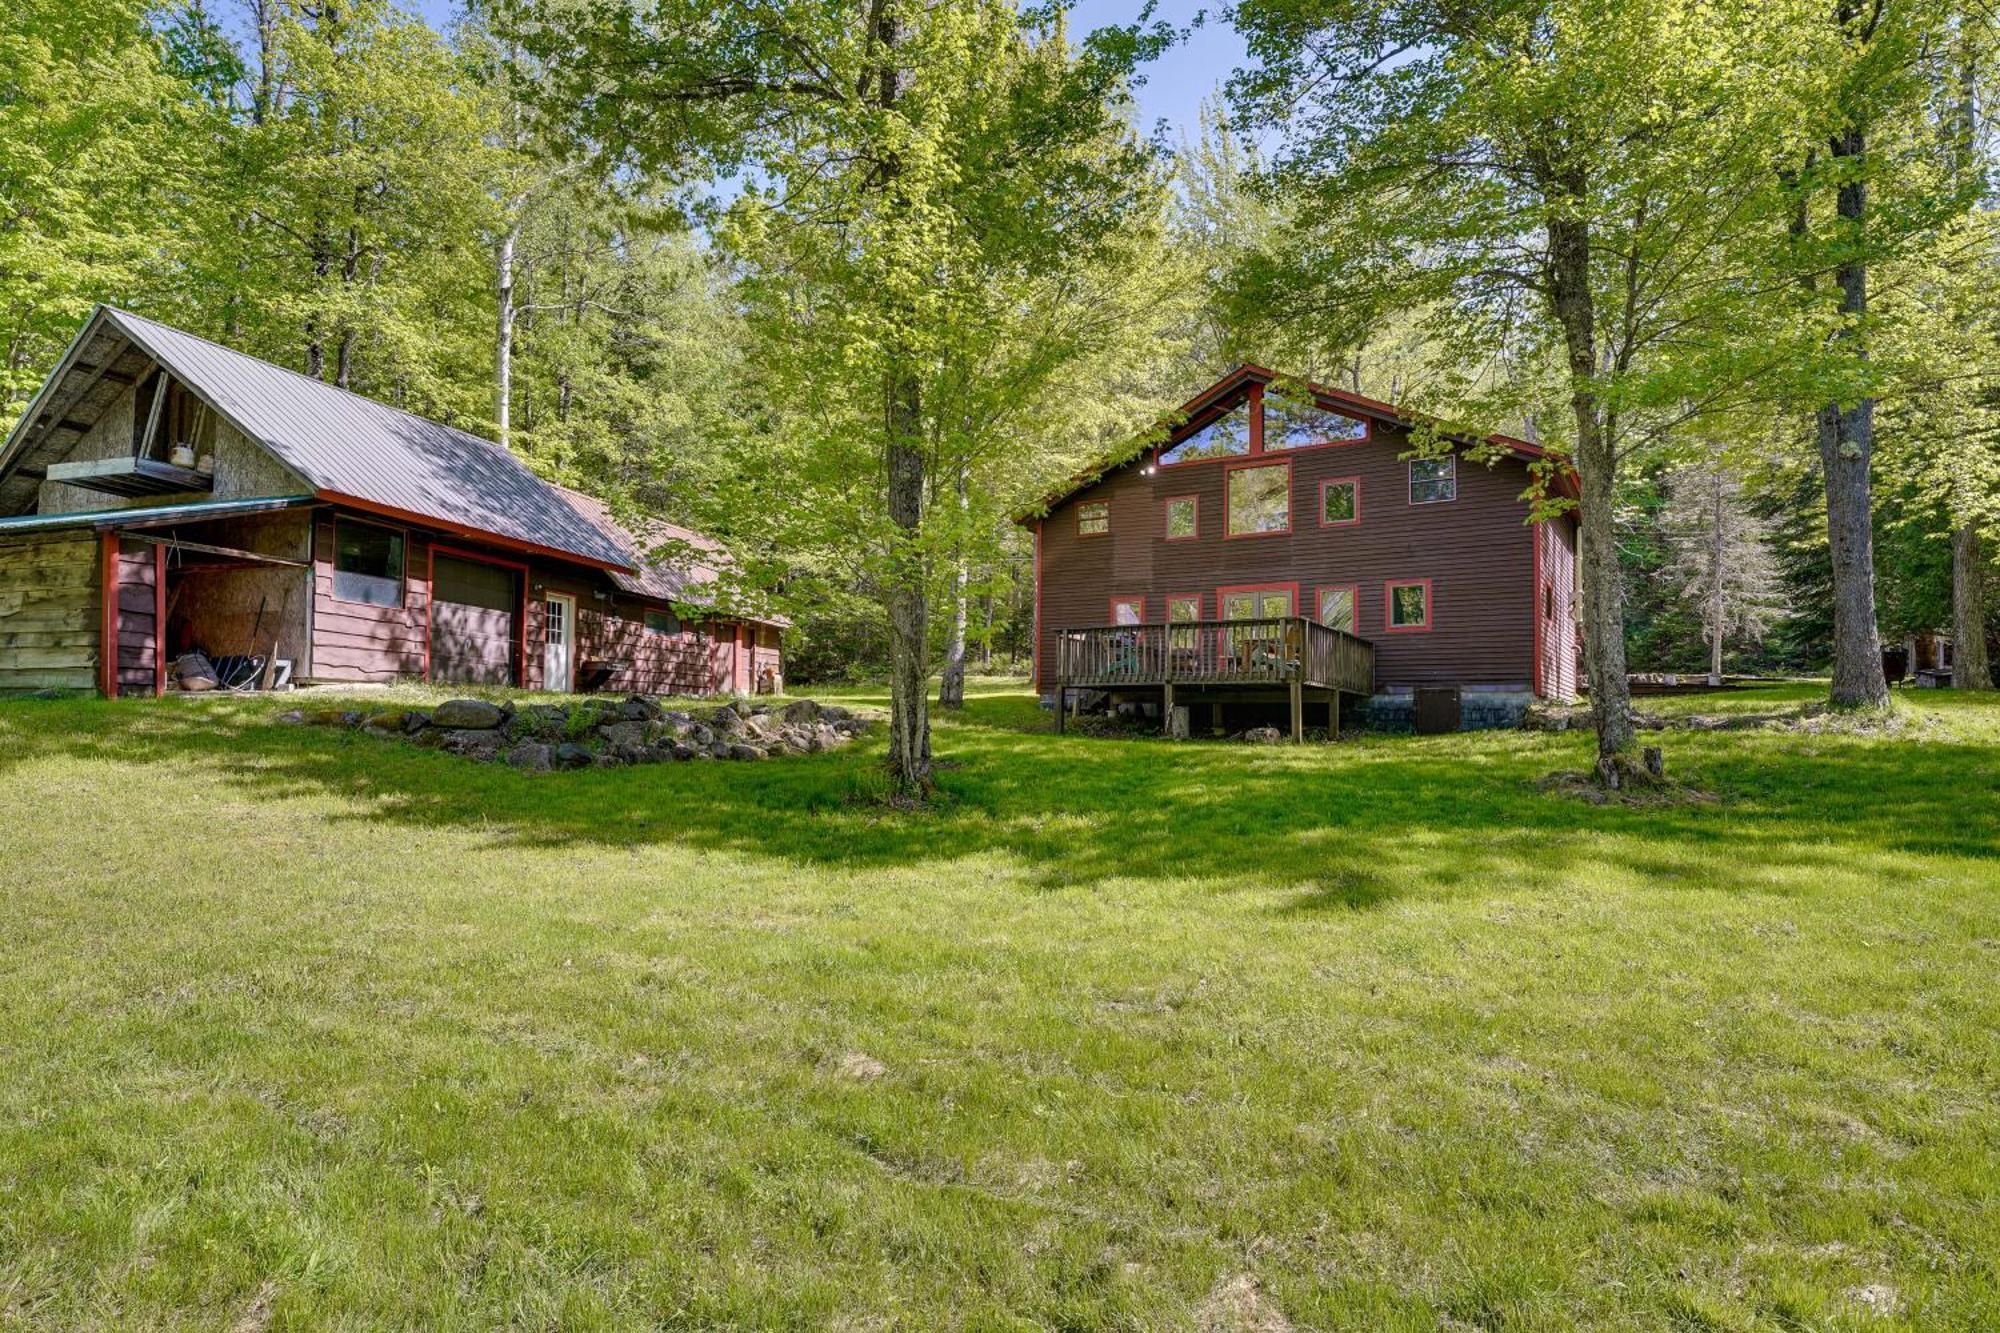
(1336, 607)
(1433, 480)
(660, 622)
(1183, 517)
(1228, 436)
(1260, 500)
(1183, 608)
(1293, 421)
(1340, 502)
(367, 563)
(1094, 519)
(1409, 605)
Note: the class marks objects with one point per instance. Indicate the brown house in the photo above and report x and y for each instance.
(1400, 584)
(163, 494)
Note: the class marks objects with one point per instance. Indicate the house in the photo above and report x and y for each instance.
(1404, 585)
(164, 494)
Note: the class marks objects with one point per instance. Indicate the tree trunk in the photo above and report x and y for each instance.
(503, 334)
(1601, 590)
(951, 687)
(1970, 669)
(909, 612)
(1846, 441)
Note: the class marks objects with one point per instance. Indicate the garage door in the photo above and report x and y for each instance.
(473, 606)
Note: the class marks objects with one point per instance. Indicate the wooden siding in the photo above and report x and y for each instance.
(137, 624)
(1475, 552)
(360, 642)
(51, 615)
(1557, 565)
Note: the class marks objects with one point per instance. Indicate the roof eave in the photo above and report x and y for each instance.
(486, 535)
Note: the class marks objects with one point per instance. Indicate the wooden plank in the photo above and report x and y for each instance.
(48, 679)
(45, 638)
(203, 548)
(23, 659)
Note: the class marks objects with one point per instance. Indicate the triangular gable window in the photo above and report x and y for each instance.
(1295, 421)
(1228, 436)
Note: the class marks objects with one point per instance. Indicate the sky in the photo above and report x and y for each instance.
(1174, 85)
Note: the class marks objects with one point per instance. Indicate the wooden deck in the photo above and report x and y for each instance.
(1292, 654)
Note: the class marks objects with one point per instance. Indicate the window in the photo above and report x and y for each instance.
(1336, 607)
(1183, 517)
(1228, 436)
(367, 564)
(662, 622)
(1407, 606)
(1433, 480)
(1548, 601)
(1340, 502)
(1093, 519)
(1295, 421)
(1128, 610)
(1183, 607)
(1260, 499)
(1258, 603)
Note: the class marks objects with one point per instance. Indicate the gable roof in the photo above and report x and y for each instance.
(355, 450)
(1191, 416)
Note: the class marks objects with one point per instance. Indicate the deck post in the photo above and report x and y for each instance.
(1060, 703)
(1167, 708)
(1333, 715)
(1298, 712)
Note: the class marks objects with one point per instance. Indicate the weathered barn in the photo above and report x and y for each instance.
(1281, 544)
(164, 494)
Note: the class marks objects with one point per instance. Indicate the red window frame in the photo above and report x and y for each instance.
(1410, 480)
(1173, 597)
(1254, 399)
(1139, 602)
(333, 562)
(1223, 592)
(1353, 591)
(1166, 518)
(1389, 587)
(1367, 430)
(1092, 504)
(1243, 464)
(1355, 482)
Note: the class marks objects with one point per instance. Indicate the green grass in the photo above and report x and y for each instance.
(308, 1030)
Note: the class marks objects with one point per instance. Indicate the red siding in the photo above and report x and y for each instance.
(1475, 551)
(137, 618)
(357, 641)
(1556, 563)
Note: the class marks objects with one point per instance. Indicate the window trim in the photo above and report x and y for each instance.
(1411, 479)
(1340, 481)
(646, 612)
(1173, 597)
(1222, 592)
(1254, 398)
(1117, 602)
(402, 602)
(1243, 464)
(1092, 504)
(1166, 518)
(1353, 591)
(1389, 587)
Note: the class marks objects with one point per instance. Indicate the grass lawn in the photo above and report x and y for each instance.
(304, 1029)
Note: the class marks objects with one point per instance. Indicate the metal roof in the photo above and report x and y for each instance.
(354, 448)
(146, 516)
(670, 563)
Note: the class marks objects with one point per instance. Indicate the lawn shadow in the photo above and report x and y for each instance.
(1336, 828)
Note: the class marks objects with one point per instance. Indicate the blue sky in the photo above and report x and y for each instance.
(1174, 85)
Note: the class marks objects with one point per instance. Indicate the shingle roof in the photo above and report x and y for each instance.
(348, 446)
(660, 553)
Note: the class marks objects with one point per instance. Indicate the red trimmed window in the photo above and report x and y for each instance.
(1228, 436)
(1093, 519)
(1183, 518)
(1339, 502)
(1258, 601)
(1258, 499)
(1128, 610)
(1295, 421)
(1433, 480)
(367, 563)
(1183, 607)
(1406, 606)
(1339, 606)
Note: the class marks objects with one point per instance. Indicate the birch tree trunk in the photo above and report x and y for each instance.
(951, 687)
(1718, 543)
(503, 332)
(1971, 670)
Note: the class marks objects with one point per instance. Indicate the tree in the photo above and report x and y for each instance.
(1720, 554)
(901, 148)
(1558, 191)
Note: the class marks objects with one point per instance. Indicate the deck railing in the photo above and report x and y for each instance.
(1280, 650)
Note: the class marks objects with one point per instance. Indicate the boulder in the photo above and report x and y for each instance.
(699, 735)
(539, 721)
(532, 756)
(472, 742)
(393, 723)
(638, 708)
(415, 721)
(833, 713)
(726, 720)
(467, 715)
(629, 735)
(570, 755)
(761, 725)
(803, 710)
(620, 752)
(1263, 735)
(741, 751)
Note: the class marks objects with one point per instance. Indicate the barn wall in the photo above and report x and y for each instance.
(219, 612)
(698, 660)
(357, 641)
(1475, 550)
(50, 613)
(137, 573)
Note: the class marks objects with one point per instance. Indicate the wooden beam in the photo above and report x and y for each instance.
(1298, 712)
(144, 447)
(203, 548)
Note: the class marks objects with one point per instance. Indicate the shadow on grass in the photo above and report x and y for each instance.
(1342, 827)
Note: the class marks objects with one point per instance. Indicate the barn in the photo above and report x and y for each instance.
(164, 495)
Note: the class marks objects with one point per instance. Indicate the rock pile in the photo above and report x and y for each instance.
(598, 734)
